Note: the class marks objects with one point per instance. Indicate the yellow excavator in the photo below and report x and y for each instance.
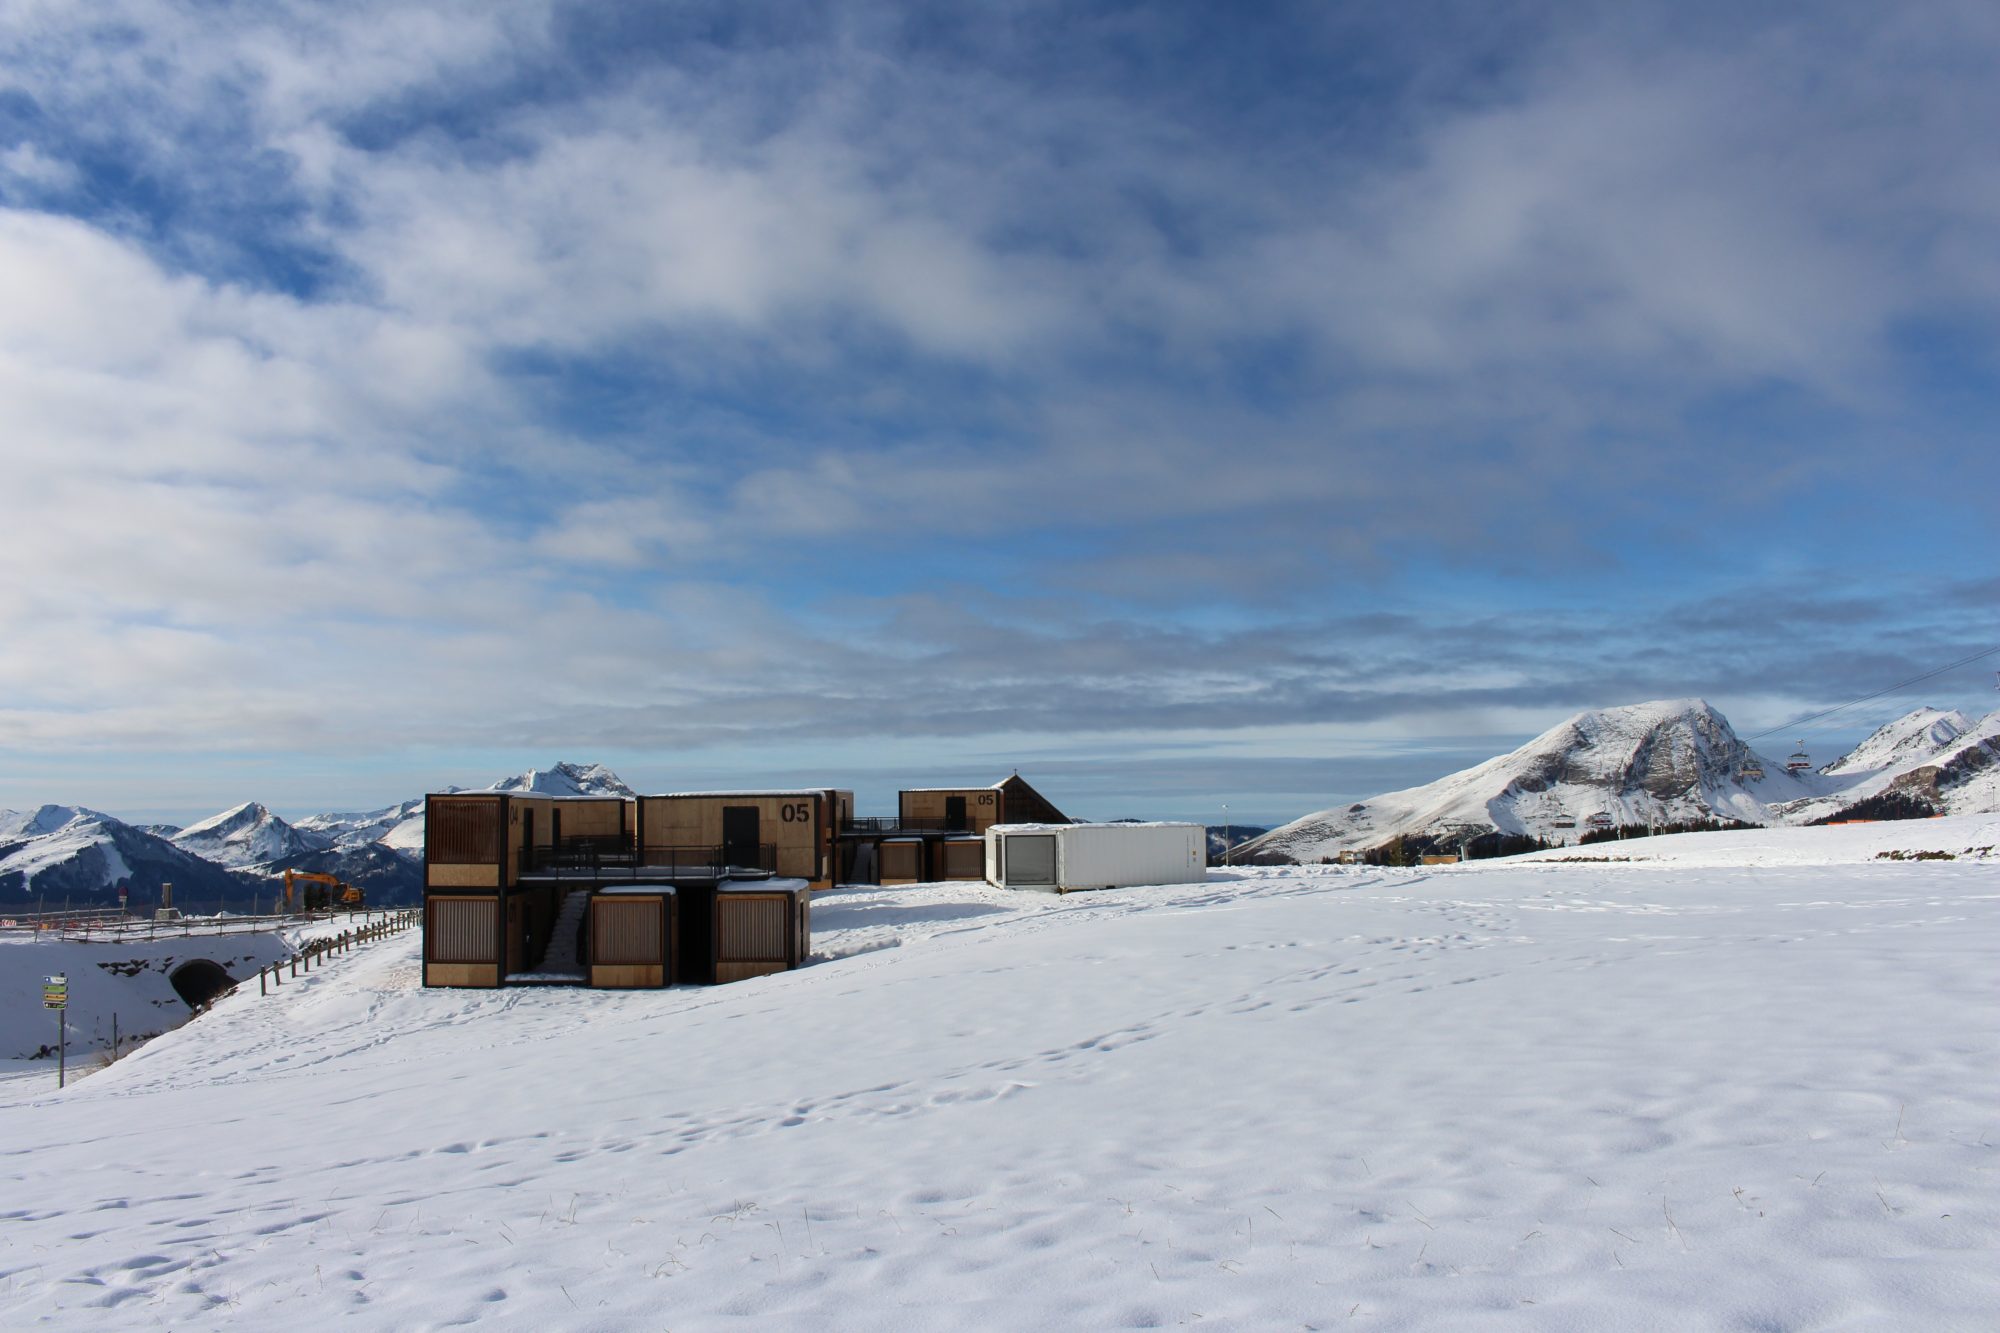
(338, 890)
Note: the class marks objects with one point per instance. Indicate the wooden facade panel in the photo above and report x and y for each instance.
(528, 826)
(793, 824)
(628, 931)
(727, 972)
(962, 860)
(901, 862)
(605, 976)
(981, 808)
(463, 877)
(607, 818)
(461, 930)
(461, 974)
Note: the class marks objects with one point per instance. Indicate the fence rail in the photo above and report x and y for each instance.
(315, 952)
(116, 926)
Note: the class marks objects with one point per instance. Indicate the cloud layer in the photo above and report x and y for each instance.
(503, 377)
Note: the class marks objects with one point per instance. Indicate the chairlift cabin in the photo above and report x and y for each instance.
(1751, 771)
(1800, 762)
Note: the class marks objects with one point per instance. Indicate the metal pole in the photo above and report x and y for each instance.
(62, 1047)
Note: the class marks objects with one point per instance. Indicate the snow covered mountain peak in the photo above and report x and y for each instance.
(247, 815)
(1922, 734)
(247, 835)
(44, 820)
(1661, 762)
(566, 779)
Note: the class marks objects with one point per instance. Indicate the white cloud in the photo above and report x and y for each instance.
(320, 508)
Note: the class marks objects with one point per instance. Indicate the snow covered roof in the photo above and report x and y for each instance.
(573, 798)
(1058, 828)
(761, 885)
(767, 791)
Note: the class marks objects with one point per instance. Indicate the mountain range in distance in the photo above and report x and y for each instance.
(1671, 762)
(69, 853)
(1665, 763)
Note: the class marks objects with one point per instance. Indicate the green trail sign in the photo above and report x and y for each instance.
(55, 992)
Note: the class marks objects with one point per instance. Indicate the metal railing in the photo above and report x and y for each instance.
(580, 853)
(712, 860)
(886, 825)
(591, 856)
(314, 952)
(118, 927)
(61, 919)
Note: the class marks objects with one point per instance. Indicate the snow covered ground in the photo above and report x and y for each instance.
(1567, 1096)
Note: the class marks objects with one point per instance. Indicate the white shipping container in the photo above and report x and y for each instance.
(1063, 858)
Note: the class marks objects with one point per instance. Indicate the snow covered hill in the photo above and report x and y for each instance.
(1917, 737)
(248, 836)
(1655, 763)
(1925, 762)
(1499, 1096)
(1667, 762)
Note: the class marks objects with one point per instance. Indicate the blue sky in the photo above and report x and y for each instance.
(1266, 404)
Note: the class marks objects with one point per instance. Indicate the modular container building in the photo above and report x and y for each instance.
(938, 833)
(488, 858)
(632, 936)
(761, 927)
(1065, 858)
(789, 833)
(948, 809)
(900, 861)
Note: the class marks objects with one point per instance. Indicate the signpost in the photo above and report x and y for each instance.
(55, 995)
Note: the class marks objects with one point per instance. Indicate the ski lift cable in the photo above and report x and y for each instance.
(1899, 685)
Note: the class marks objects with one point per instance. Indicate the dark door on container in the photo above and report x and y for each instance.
(739, 836)
(954, 814)
(527, 840)
(1030, 860)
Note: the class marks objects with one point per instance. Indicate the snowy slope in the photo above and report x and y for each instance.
(1928, 753)
(1572, 1097)
(1663, 762)
(128, 979)
(1965, 778)
(1917, 737)
(248, 836)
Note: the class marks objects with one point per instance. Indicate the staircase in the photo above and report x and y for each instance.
(560, 965)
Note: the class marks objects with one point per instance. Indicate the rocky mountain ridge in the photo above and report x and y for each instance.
(1668, 762)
